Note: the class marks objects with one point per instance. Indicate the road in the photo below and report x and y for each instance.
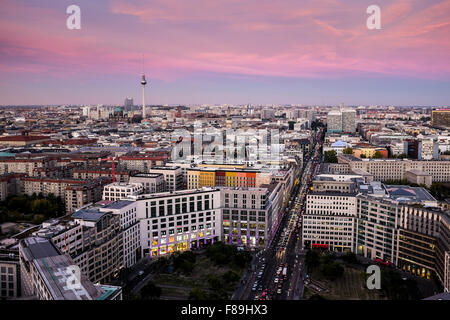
(280, 270)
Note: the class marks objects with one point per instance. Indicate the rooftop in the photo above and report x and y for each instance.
(89, 214)
(118, 204)
(38, 248)
(407, 193)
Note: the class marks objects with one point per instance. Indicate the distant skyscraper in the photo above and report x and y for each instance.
(128, 105)
(334, 121)
(348, 120)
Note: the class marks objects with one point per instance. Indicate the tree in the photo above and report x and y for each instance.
(439, 191)
(378, 155)
(150, 291)
(312, 259)
(230, 276)
(332, 270)
(347, 150)
(350, 257)
(331, 156)
(197, 294)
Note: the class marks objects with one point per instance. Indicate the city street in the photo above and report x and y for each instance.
(281, 267)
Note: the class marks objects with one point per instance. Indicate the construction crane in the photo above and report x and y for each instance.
(112, 159)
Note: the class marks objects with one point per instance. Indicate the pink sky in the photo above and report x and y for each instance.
(181, 39)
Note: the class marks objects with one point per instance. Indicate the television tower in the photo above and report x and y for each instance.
(143, 83)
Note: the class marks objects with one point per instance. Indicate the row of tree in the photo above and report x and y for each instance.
(224, 254)
(325, 263)
(33, 209)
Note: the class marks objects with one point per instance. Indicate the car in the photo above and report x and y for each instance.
(279, 291)
(276, 280)
(141, 273)
(253, 289)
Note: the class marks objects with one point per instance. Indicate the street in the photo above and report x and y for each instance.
(279, 270)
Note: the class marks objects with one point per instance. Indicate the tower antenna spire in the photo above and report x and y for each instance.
(143, 83)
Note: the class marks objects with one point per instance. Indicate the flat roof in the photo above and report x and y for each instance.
(55, 273)
(38, 248)
(118, 204)
(89, 214)
(403, 193)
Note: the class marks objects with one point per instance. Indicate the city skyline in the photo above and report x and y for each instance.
(226, 53)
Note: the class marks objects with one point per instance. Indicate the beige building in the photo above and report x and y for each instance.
(395, 169)
(27, 166)
(151, 182)
(419, 177)
(9, 276)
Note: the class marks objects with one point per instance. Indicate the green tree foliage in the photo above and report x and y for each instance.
(332, 270)
(231, 276)
(350, 257)
(33, 209)
(224, 254)
(377, 155)
(312, 259)
(439, 191)
(396, 288)
(150, 291)
(197, 294)
(184, 262)
(331, 156)
(347, 150)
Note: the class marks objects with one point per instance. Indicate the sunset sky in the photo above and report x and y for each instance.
(226, 51)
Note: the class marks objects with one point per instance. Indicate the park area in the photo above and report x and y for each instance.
(211, 274)
(343, 277)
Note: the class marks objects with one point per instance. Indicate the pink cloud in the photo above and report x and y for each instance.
(283, 38)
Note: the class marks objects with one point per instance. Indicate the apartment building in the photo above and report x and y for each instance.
(45, 273)
(179, 220)
(334, 121)
(240, 178)
(48, 185)
(58, 171)
(10, 185)
(251, 215)
(9, 275)
(77, 196)
(395, 169)
(28, 166)
(118, 190)
(141, 163)
(443, 251)
(173, 176)
(329, 220)
(94, 173)
(92, 238)
(130, 228)
(151, 182)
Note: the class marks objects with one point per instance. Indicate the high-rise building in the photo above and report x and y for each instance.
(128, 104)
(348, 121)
(334, 121)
